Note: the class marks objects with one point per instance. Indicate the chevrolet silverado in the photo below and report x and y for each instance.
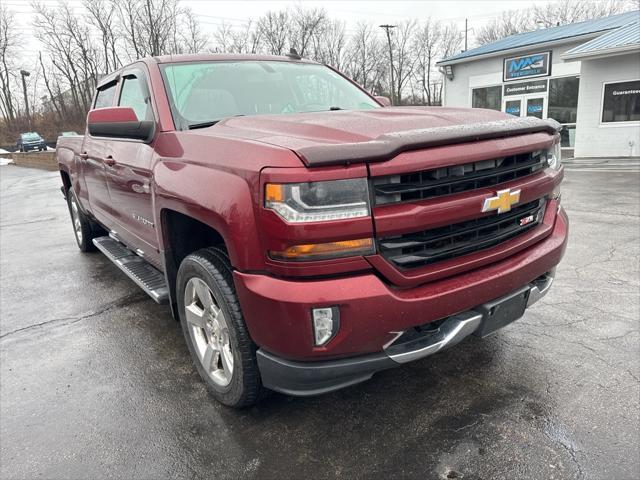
(304, 233)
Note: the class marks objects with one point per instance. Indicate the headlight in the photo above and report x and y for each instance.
(319, 201)
(554, 156)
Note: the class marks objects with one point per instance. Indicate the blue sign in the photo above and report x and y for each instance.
(527, 66)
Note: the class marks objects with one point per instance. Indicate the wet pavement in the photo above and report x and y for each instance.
(96, 380)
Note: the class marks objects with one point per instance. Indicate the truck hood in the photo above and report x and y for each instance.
(339, 137)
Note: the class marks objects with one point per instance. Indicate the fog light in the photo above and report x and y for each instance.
(326, 322)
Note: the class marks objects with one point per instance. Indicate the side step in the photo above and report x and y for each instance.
(149, 278)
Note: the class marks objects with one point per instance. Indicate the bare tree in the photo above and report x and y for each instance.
(403, 57)
(223, 38)
(246, 39)
(563, 12)
(194, 40)
(366, 57)
(273, 28)
(451, 40)
(508, 23)
(427, 43)
(560, 12)
(54, 99)
(149, 27)
(102, 15)
(306, 24)
(71, 50)
(330, 43)
(128, 19)
(9, 42)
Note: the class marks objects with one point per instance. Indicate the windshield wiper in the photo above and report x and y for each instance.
(191, 126)
(333, 109)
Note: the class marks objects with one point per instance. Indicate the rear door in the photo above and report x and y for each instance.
(128, 172)
(92, 156)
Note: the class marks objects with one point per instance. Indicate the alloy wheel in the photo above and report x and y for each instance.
(209, 331)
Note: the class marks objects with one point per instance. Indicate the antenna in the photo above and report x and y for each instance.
(293, 53)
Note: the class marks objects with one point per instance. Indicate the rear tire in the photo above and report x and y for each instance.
(84, 229)
(214, 329)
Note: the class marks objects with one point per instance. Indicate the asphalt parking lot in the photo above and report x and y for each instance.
(96, 380)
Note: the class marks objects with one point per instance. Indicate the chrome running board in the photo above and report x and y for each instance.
(147, 277)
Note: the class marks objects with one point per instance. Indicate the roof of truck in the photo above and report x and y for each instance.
(204, 57)
(226, 57)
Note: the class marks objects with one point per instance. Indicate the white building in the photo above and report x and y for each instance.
(585, 75)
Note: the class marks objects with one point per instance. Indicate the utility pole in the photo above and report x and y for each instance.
(393, 84)
(24, 74)
(466, 32)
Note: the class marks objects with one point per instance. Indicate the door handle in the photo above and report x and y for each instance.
(109, 161)
(83, 155)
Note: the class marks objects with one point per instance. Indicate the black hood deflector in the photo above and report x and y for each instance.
(389, 145)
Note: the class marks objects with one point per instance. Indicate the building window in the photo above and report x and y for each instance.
(488, 97)
(621, 102)
(563, 107)
(563, 99)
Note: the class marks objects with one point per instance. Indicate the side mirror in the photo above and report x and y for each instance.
(384, 101)
(119, 122)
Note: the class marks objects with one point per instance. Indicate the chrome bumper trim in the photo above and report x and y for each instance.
(452, 331)
(457, 327)
(541, 287)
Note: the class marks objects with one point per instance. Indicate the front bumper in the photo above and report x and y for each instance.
(315, 378)
(33, 146)
(277, 311)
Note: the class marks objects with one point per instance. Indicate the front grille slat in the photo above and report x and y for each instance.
(433, 245)
(464, 227)
(456, 178)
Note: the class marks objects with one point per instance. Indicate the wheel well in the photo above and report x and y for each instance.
(184, 235)
(66, 181)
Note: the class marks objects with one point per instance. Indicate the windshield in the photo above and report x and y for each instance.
(30, 137)
(203, 93)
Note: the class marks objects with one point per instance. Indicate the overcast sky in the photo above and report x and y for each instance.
(213, 13)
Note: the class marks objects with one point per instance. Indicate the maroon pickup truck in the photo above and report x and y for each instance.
(305, 234)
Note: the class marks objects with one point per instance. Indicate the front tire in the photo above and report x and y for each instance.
(84, 229)
(214, 329)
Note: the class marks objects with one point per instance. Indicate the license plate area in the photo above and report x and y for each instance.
(501, 312)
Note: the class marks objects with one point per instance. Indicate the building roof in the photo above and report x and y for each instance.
(622, 40)
(546, 35)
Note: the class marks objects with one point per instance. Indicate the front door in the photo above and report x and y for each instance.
(525, 105)
(129, 176)
(92, 160)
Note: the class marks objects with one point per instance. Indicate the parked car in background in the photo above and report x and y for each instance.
(30, 141)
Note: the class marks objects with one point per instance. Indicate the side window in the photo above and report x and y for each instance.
(105, 96)
(133, 94)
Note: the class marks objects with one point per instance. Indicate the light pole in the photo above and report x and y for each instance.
(393, 87)
(23, 74)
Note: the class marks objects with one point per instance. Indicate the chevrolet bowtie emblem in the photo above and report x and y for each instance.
(502, 202)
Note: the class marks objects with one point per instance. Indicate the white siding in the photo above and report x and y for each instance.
(594, 139)
(483, 73)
